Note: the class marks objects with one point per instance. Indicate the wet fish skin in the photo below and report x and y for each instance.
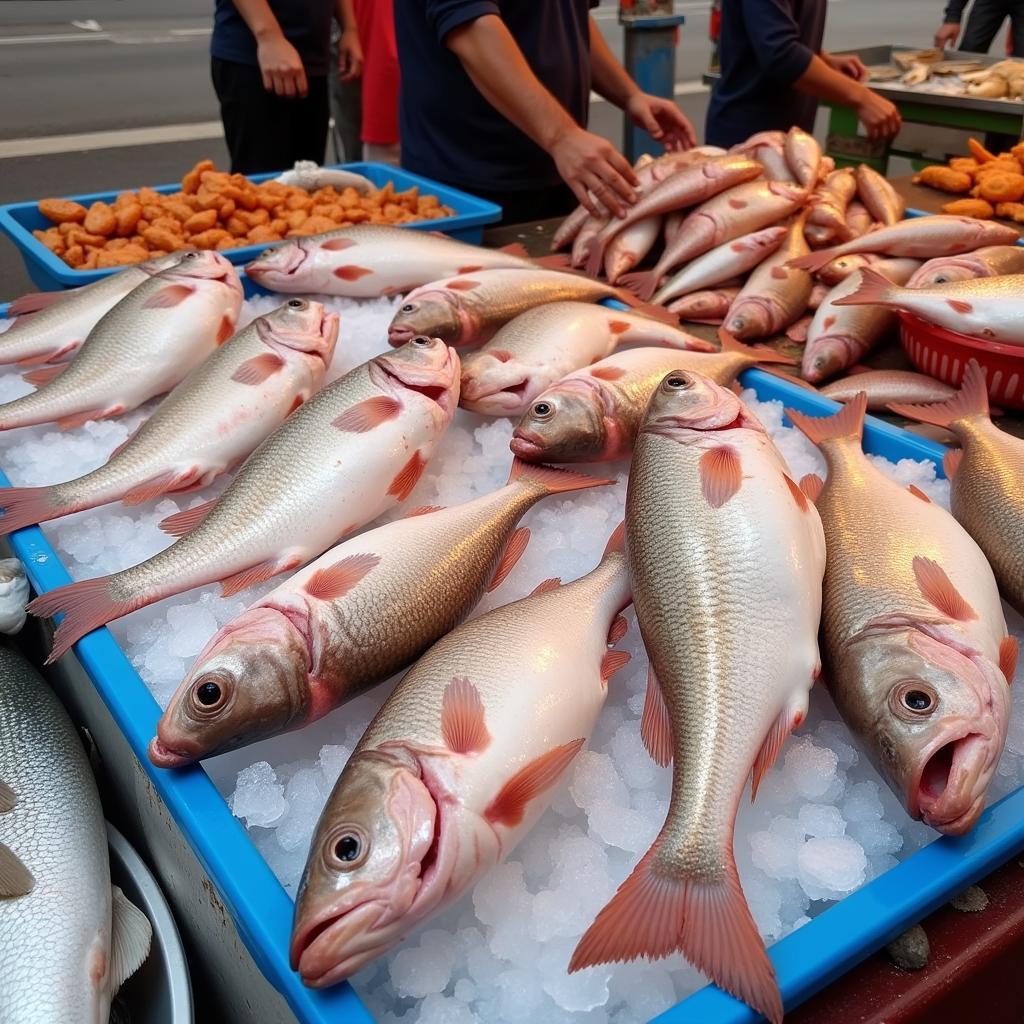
(990, 261)
(830, 200)
(882, 201)
(803, 154)
(843, 266)
(858, 219)
(708, 305)
(590, 229)
(629, 247)
(883, 387)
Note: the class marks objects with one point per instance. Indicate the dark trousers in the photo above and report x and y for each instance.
(536, 204)
(265, 132)
(346, 100)
(985, 20)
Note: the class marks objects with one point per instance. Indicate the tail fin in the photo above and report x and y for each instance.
(970, 400)
(648, 309)
(23, 506)
(617, 541)
(656, 913)
(762, 353)
(44, 374)
(642, 283)
(553, 261)
(515, 249)
(814, 261)
(596, 246)
(85, 605)
(552, 480)
(847, 422)
(874, 287)
(33, 302)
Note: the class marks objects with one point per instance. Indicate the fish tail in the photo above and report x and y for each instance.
(848, 422)
(617, 541)
(970, 400)
(552, 480)
(553, 261)
(649, 309)
(24, 506)
(873, 287)
(814, 261)
(595, 254)
(642, 283)
(762, 353)
(656, 913)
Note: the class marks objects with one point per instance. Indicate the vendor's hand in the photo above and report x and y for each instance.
(281, 67)
(594, 169)
(880, 117)
(947, 35)
(848, 64)
(662, 120)
(350, 56)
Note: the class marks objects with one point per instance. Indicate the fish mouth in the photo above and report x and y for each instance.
(284, 260)
(496, 401)
(399, 335)
(164, 755)
(314, 949)
(525, 447)
(943, 792)
(425, 381)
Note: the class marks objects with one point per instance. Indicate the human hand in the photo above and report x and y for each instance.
(595, 170)
(947, 35)
(281, 67)
(848, 64)
(880, 117)
(662, 120)
(350, 56)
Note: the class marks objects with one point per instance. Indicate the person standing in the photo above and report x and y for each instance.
(379, 121)
(983, 23)
(269, 60)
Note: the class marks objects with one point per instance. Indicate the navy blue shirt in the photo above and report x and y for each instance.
(765, 46)
(449, 131)
(306, 24)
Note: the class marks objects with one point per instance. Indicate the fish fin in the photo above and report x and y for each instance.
(167, 296)
(814, 261)
(350, 272)
(178, 524)
(951, 461)
(594, 256)
(254, 574)
(85, 605)
(848, 422)
(515, 249)
(8, 798)
(797, 331)
(509, 806)
(642, 283)
(257, 369)
(33, 302)
(762, 353)
(52, 357)
(226, 329)
(607, 372)
(472, 269)
(612, 662)
(617, 540)
(407, 477)
(15, 878)
(789, 718)
(337, 244)
(654, 914)
(874, 287)
(959, 306)
(337, 580)
(938, 589)
(366, 415)
(649, 309)
(514, 550)
(462, 285)
(970, 400)
(1009, 649)
(918, 493)
(131, 936)
(798, 496)
(127, 441)
(162, 483)
(551, 479)
(462, 718)
(720, 474)
(546, 586)
(423, 510)
(24, 506)
(44, 374)
(655, 725)
(812, 485)
(618, 629)
(552, 261)
(79, 419)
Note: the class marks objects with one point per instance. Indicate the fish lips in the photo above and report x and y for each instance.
(439, 383)
(163, 755)
(525, 447)
(314, 949)
(940, 793)
(283, 261)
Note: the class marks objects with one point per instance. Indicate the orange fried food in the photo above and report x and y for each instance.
(944, 178)
(979, 152)
(1011, 211)
(969, 208)
(965, 164)
(1001, 188)
(62, 211)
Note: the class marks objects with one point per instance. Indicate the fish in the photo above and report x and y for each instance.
(315, 642)
(773, 159)
(592, 226)
(349, 454)
(984, 307)
(567, 231)
(986, 492)
(365, 261)
(49, 327)
(726, 558)
(882, 201)
(919, 238)
(68, 938)
(803, 154)
(468, 310)
(917, 654)
(830, 200)
(309, 175)
(738, 211)
(990, 261)
(211, 421)
(629, 247)
(542, 345)
(819, 236)
(144, 345)
(843, 266)
(839, 337)
(723, 263)
(593, 415)
(883, 387)
(456, 767)
(707, 306)
(858, 219)
(818, 293)
(775, 294)
(671, 224)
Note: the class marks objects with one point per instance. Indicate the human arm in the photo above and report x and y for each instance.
(877, 114)
(848, 64)
(949, 30)
(279, 61)
(350, 50)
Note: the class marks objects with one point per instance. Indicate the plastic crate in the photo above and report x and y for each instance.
(49, 272)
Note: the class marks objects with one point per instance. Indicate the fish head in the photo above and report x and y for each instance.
(564, 424)
(423, 365)
(826, 356)
(496, 383)
(436, 313)
(934, 718)
(161, 263)
(278, 267)
(301, 325)
(685, 401)
(372, 860)
(251, 682)
(203, 265)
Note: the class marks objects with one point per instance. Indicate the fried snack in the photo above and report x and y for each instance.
(979, 152)
(1011, 211)
(964, 164)
(944, 178)
(100, 220)
(1004, 162)
(1001, 188)
(969, 208)
(62, 211)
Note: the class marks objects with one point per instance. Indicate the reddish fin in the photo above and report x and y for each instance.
(546, 586)
(180, 523)
(85, 605)
(44, 374)
(649, 310)
(798, 496)
(612, 662)
(515, 249)
(812, 485)
(423, 510)
(407, 477)
(619, 628)
(226, 329)
(762, 353)
(469, 270)
(15, 879)
(959, 306)
(513, 552)
(787, 721)
(370, 413)
(951, 461)
(1008, 651)
(162, 483)
(814, 261)
(337, 244)
(509, 806)
(642, 283)
(970, 400)
(258, 369)
(462, 718)
(336, 581)
(552, 480)
(607, 372)
(255, 574)
(62, 354)
(167, 296)
(797, 331)
(553, 261)
(79, 419)
(918, 493)
(23, 506)
(462, 285)
(617, 540)
(720, 474)
(937, 588)
(350, 272)
(848, 422)
(873, 288)
(33, 302)
(655, 725)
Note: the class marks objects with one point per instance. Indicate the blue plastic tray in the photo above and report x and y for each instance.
(49, 272)
(806, 960)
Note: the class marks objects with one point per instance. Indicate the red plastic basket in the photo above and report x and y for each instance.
(944, 354)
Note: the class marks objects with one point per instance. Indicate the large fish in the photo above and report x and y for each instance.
(593, 415)
(467, 311)
(883, 387)
(211, 421)
(315, 641)
(803, 154)
(858, 219)
(990, 261)
(987, 479)
(726, 558)
(839, 336)
(830, 201)
(768, 149)
(458, 764)
(629, 247)
(544, 344)
(352, 452)
(882, 201)
(51, 326)
(707, 306)
(843, 266)
(68, 939)
(581, 244)
(152, 339)
(918, 656)
(920, 238)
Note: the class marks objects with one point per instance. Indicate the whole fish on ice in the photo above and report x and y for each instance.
(989, 261)
(883, 387)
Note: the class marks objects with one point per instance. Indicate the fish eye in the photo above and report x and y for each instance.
(297, 304)
(266, 252)
(347, 848)
(542, 410)
(422, 340)
(917, 700)
(191, 255)
(677, 383)
(208, 695)
(408, 307)
(913, 698)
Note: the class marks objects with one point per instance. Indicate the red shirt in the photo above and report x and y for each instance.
(376, 21)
